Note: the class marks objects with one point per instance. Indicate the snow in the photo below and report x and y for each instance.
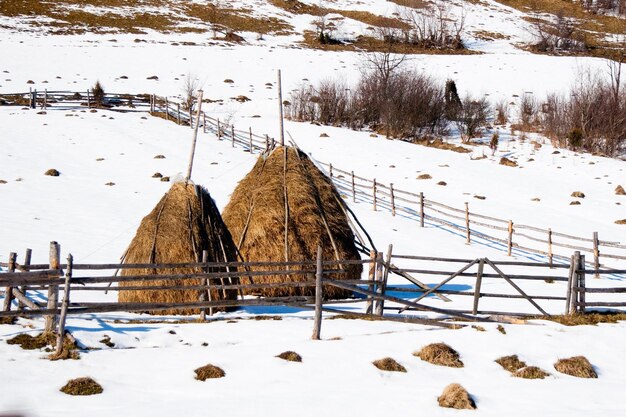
(150, 369)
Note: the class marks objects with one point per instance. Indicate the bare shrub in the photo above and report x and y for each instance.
(471, 117)
(511, 363)
(559, 36)
(528, 109)
(440, 354)
(502, 112)
(530, 372)
(434, 28)
(455, 396)
(98, 94)
(577, 366)
(82, 386)
(389, 364)
(190, 87)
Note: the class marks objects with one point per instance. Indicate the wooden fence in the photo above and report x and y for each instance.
(36, 288)
(504, 234)
(63, 100)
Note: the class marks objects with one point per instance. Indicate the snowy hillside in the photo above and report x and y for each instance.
(106, 161)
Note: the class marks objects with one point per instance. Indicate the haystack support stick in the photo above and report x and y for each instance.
(195, 136)
(280, 110)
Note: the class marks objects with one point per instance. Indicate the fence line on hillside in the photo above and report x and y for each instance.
(504, 234)
(23, 281)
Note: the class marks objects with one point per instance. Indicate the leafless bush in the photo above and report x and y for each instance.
(502, 112)
(191, 85)
(435, 28)
(592, 116)
(528, 109)
(471, 117)
(562, 35)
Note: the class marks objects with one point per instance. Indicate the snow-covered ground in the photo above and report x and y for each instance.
(150, 369)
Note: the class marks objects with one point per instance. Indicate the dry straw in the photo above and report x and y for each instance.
(455, 396)
(183, 224)
(314, 214)
(209, 372)
(290, 356)
(531, 372)
(82, 386)
(389, 364)
(577, 366)
(440, 354)
(511, 363)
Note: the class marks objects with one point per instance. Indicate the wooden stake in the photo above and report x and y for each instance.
(317, 326)
(374, 193)
(232, 135)
(45, 99)
(280, 110)
(203, 122)
(53, 290)
(509, 245)
(205, 294)
(571, 281)
(468, 238)
(219, 130)
(64, 305)
(178, 113)
(8, 291)
(371, 277)
(195, 137)
(581, 284)
(353, 187)
(88, 99)
(421, 209)
(330, 170)
(479, 280)
(550, 255)
(393, 200)
(380, 303)
(25, 265)
(251, 148)
(167, 109)
(596, 254)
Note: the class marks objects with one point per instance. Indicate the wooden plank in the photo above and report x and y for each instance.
(596, 254)
(415, 281)
(8, 291)
(53, 290)
(64, 306)
(372, 277)
(510, 240)
(380, 304)
(570, 283)
(479, 280)
(581, 284)
(421, 209)
(317, 326)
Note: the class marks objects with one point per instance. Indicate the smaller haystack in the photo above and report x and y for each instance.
(183, 224)
(281, 211)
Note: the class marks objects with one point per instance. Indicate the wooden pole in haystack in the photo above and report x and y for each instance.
(195, 136)
(317, 325)
(280, 110)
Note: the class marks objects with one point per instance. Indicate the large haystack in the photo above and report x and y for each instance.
(181, 226)
(255, 217)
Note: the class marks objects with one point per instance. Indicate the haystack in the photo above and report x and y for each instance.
(299, 192)
(183, 224)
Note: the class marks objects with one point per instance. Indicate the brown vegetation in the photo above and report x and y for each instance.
(455, 396)
(183, 224)
(290, 356)
(577, 366)
(531, 372)
(619, 190)
(511, 363)
(209, 372)
(82, 386)
(440, 354)
(52, 172)
(507, 162)
(257, 212)
(389, 364)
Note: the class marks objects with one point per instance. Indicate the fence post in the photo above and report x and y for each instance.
(380, 304)
(509, 245)
(267, 142)
(371, 287)
(330, 170)
(167, 109)
(596, 254)
(468, 238)
(421, 209)
(27, 257)
(570, 307)
(353, 187)
(232, 135)
(219, 130)
(64, 305)
(45, 99)
(203, 122)
(374, 193)
(479, 281)
(53, 290)
(393, 200)
(88, 99)
(581, 284)
(178, 113)
(550, 255)
(206, 293)
(317, 326)
(251, 148)
(8, 291)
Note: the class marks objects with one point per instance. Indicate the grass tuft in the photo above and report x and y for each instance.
(389, 364)
(577, 366)
(290, 356)
(440, 354)
(82, 386)
(209, 372)
(511, 363)
(455, 396)
(531, 372)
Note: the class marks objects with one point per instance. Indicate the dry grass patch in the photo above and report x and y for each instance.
(28, 342)
(424, 177)
(389, 364)
(209, 372)
(507, 162)
(440, 144)
(511, 363)
(619, 190)
(455, 396)
(290, 356)
(531, 372)
(486, 35)
(578, 194)
(52, 173)
(577, 366)
(620, 221)
(82, 386)
(440, 354)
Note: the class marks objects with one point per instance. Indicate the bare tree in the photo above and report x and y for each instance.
(434, 28)
(471, 117)
(190, 87)
(214, 15)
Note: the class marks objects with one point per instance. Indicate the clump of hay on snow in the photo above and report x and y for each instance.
(290, 356)
(440, 354)
(183, 224)
(82, 386)
(209, 372)
(577, 366)
(389, 364)
(455, 396)
(315, 216)
(511, 363)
